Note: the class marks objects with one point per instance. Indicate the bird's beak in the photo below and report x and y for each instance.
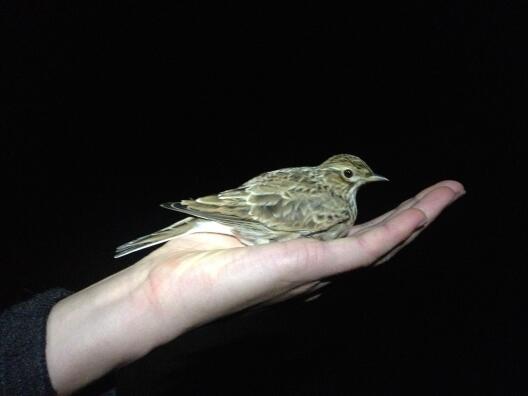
(375, 178)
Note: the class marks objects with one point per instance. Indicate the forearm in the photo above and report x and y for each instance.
(98, 329)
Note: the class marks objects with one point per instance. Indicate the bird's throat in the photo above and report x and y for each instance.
(351, 197)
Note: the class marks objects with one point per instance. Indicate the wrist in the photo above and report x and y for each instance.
(98, 329)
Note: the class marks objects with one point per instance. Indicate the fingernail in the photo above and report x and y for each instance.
(458, 195)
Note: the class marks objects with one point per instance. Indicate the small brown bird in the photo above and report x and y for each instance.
(316, 202)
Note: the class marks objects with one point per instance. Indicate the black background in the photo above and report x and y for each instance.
(114, 108)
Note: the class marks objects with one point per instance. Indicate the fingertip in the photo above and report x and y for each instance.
(457, 187)
(445, 193)
(436, 200)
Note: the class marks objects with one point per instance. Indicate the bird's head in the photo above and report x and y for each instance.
(352, 171)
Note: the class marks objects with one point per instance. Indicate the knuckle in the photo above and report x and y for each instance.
(368, 246)
(304, 255)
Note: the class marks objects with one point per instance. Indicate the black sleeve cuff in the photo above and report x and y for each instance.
(23, 369)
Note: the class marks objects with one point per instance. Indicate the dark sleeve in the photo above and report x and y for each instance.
(23, 369)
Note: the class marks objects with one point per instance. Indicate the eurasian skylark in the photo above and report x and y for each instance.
(315, 202)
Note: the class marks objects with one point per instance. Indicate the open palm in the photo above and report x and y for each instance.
(197, 278)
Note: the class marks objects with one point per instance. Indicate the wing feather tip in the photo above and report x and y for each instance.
(171, 205)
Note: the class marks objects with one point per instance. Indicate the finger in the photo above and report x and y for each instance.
(434, 202)
(457, 187)
(386, 216)
(313, 297)
(397, 249)
(432, 205)
(349, 253)
(453, 185)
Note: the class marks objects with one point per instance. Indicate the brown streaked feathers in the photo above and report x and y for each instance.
(289, 203)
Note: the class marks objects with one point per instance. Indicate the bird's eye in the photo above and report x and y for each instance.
(348, 173)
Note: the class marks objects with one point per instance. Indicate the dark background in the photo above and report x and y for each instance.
(114, 108)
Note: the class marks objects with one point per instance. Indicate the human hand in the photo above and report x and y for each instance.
(197, 278)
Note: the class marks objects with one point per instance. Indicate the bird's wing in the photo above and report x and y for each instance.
(279, 205)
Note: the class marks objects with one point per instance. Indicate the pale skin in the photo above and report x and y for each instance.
(198, 278)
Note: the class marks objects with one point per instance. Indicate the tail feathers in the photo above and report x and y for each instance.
(161, 236)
